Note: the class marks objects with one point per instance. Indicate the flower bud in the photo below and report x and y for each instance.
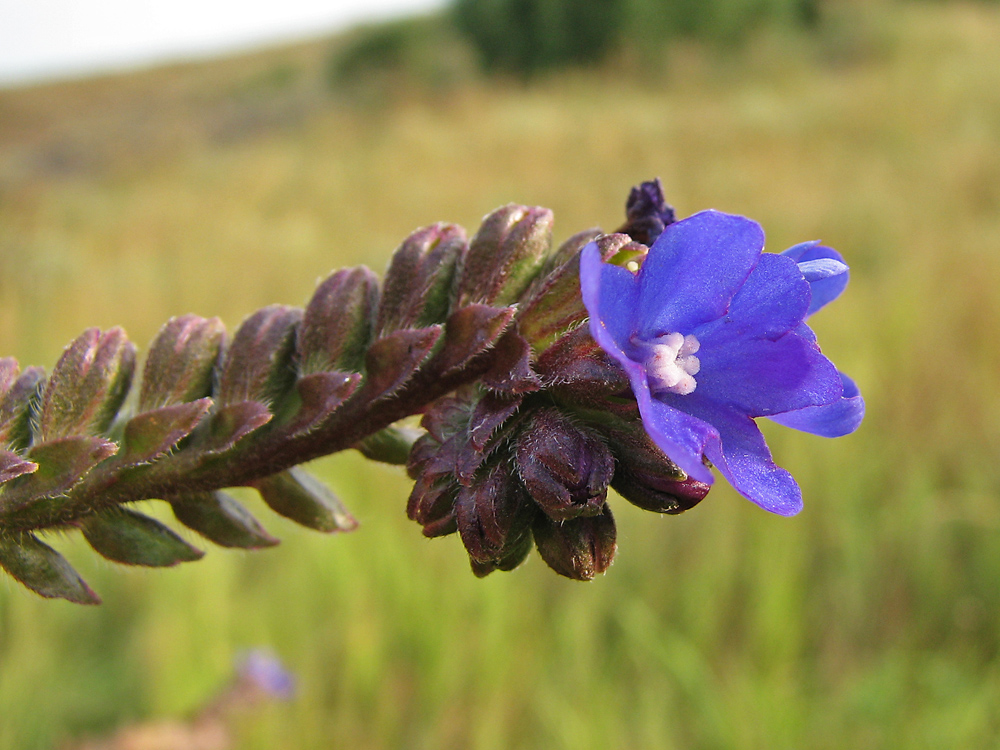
(338, 322)
(219, 517)
(19, 398)
(300, 497)
(493, 514)
(505, 255)
(258, 365)
(565, 468)
(432, 504)
(87, 386)
(647, 212)
(645, 476)
(181, 362)
(579, 548)
(417, 287)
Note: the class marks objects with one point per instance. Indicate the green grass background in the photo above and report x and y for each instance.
(872, 620)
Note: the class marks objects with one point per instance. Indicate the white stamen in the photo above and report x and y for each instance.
(632, 266)
(671, 364)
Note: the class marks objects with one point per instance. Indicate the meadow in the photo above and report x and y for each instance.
(871, 620)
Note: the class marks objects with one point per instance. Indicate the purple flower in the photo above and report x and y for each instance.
(827, 274)
(710, 332)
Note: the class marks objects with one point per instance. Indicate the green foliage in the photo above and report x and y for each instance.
(396, 58)
(525, 37)
(528, 36)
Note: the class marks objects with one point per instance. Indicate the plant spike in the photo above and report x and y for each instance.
(528, 414)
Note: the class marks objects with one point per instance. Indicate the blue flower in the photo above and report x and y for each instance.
(711, 333)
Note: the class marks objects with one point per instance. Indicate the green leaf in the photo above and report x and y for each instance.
(43, 570)
(61, 464)
(131, 538)
(151, 435)
(217, 516)
(297, 495)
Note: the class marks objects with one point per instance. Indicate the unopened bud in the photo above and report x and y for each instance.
(565, 468)
(338, 322)
(648, 212)
(645, 476)
(181, 362)
(493, 514)
(505, 255)
(579, 548)
(87, 386)
(417, 288)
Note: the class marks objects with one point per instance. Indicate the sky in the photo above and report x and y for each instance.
(51, 39)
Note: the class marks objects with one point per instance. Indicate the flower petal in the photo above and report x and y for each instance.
(742, 456)
(773, 301)
(610, 294)
(836, 419)
(681, 436)
(693, 270)
(763, 377)
(826, 289)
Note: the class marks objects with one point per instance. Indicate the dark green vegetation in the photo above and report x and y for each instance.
(872, 620)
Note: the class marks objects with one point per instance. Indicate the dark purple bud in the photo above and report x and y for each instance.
(647, 212)
(493, 513)
(432, 504)
(182, 361)
(565, 468)
(491, 411)
(258, 365)
(505, 255)
(579, 548)
(43, 570)
(21, 396)
(418, 285)
(219, 517)
(87, 386)
(513, 554)
(131, 538)
(449, 415)
(580, 370)
(392, 360)
(339, 322)
(299, 496)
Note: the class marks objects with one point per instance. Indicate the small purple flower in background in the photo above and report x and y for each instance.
(710, 332)
(263, 671)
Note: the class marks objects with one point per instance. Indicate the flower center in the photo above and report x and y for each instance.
(671, 364)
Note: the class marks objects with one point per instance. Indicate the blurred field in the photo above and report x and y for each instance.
(872, 620)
